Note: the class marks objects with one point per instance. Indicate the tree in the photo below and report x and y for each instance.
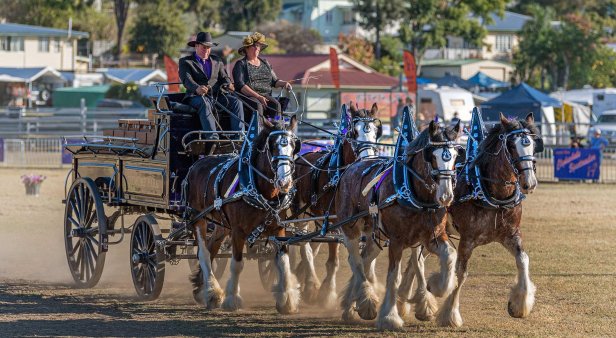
(38, 12)
(377, 14)
(292, 38)
(156, 33)
(357, 48)
(428, 23)
(120, 10)
(207, 12)
(244, 15)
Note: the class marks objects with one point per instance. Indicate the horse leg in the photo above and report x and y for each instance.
(449, 314)
(365, 297)
(522, 296)
(441, 284)
(308, 273)
(286, 292)
(210, 293)
(424, 301)
(369, 254)
(233, 301)
(389, 319)
(404, 292)
(327, 292)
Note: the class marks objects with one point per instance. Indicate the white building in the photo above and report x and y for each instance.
(25, 46)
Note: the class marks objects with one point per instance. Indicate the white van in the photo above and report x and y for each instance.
(444, 102)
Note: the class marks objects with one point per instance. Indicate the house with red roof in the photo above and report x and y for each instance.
(314, 86)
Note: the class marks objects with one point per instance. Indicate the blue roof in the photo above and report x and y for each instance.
(454, 81)
(15, 29)
(523, 94)
(510, 22)
(126, 75)
(482, 80)
(27, 74)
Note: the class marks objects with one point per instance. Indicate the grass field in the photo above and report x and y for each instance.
(569, 233)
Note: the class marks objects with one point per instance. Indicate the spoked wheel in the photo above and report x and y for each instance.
(147, 261)
(267, 264)
(85, 233)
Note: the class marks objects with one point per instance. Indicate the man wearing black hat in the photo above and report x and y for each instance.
(204, 76)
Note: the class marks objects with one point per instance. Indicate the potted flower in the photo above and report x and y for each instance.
(33, 183)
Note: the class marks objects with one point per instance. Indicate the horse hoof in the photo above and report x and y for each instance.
(367, 309)
(348, 316)
(449, 319)
(287, 308)
(199, 296)
(311, 293)
(215, 298)
(390, 322)
(232, 303)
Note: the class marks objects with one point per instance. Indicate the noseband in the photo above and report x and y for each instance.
(446, 156)
(359, 146)
(525, 134)
(278, 160)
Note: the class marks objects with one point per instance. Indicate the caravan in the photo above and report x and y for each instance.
(444, 102)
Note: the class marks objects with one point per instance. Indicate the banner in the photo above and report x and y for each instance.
(410, 71)
(172, 74)
(334, 67)
(577, 163)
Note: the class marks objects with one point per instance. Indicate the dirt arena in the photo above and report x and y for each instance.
(569, 232)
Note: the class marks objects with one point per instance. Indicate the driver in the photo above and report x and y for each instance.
(206, 79)
(254, 77)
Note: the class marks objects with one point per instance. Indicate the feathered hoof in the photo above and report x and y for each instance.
(199, 296)
(404, 308)
(449, 318)
(349, 316)
(367, 309)
(232, 303)
(287, 308)
(310, 293)
(215, 297)
(287, 302)
(390, 322)
(327, 297)
(425, 305)
(521, 301)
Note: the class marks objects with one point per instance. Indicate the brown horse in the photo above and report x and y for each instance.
(363, 126)
(430, 158)
(505, 161)
(268, 157)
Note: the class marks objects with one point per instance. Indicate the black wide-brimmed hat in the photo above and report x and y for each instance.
(203, 38)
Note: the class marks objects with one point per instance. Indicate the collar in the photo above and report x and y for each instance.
(199, 59)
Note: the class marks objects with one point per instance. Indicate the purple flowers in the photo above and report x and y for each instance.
(32, 179)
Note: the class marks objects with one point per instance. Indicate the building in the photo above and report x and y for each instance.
(328, 17)
(25, 46)
(466, 68)
(499, 43)
(27, 87)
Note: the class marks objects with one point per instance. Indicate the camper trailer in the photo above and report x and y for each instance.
(603, 99)
(444, 102)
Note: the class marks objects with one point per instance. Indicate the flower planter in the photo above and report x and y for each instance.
(33, 189)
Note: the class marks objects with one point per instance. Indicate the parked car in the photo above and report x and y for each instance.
(606, 122)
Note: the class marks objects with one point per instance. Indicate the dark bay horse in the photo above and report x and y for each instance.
(505, 161)
(430, 158)
(315, 178)
(268, 157)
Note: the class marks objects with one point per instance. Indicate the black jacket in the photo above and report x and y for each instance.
(240, 74)
(193, 76)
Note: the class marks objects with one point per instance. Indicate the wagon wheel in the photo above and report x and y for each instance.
(147, 260)
(266, 260)
(85, 233)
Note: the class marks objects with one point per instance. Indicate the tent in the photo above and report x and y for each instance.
(518, 102)
(482, 80)
(454, 81)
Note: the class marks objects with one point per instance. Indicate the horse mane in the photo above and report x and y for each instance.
(423, 140)
(492, 141)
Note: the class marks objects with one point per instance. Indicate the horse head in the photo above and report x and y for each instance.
(439, 150)
(522, 142)
(366, 130)
(279, 143)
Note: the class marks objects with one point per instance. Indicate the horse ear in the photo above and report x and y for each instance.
(433, 128)
(267, 124)
(374, 110)
(503, 119)
(293, 124)
(352, 108)
(530, 118)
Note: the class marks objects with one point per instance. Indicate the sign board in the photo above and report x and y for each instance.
(577, 163)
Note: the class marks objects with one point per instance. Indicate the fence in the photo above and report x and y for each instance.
(40, 153)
